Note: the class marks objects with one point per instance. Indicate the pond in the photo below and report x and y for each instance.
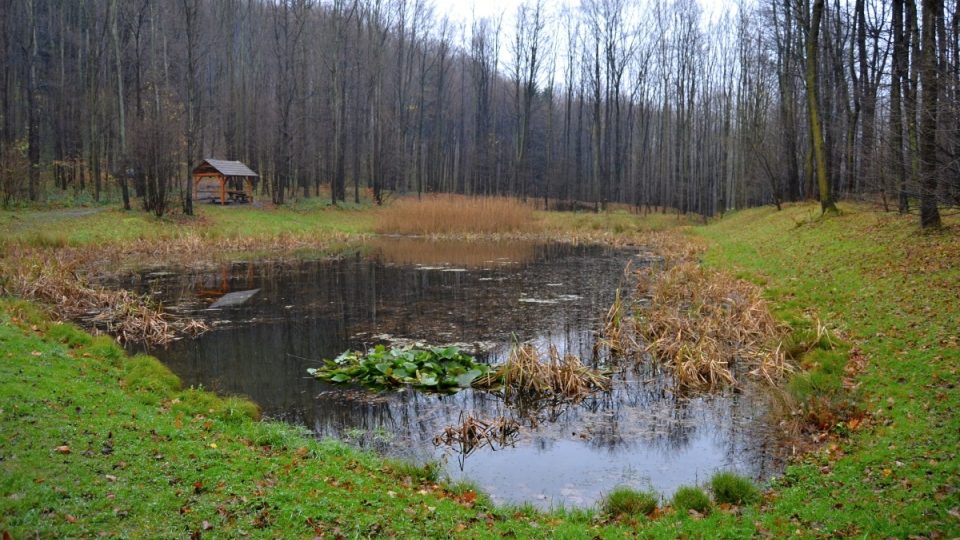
(482, 296)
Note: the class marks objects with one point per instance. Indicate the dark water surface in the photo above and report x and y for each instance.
(479, 295)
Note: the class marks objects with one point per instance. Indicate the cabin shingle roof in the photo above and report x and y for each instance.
(230, 168)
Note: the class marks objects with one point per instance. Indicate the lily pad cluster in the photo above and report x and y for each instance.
(438, 369)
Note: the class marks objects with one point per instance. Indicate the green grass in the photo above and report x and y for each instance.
(688, 498)
(889, 293)
(43, 228)
(731, 488)
(625, 501)
(617, 222)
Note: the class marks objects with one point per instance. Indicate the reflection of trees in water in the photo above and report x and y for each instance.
(640, 412)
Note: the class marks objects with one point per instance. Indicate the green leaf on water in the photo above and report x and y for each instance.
(466, 379)
(434, 369)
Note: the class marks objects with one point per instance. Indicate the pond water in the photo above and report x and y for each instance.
(481, 296)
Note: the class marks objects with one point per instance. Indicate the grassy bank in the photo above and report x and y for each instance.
(99, 442)
(894, 295)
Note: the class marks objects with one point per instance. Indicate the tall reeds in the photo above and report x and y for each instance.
(455, 214)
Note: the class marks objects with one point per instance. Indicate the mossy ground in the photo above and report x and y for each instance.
(148, 458)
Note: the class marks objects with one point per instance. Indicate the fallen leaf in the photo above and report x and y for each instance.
(70, 519)
(111, 477)
(62, 449)
(36, 353)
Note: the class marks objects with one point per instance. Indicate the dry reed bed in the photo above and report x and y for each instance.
(701, 323)
(532, 379)
(705, 326)
(53, 280)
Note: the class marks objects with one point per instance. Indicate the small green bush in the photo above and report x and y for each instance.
(69, 334)
(106, 348)
(627, 501)
(146, 375)
(731, 488)
(418, 473)
(194, 401)
(691, 498)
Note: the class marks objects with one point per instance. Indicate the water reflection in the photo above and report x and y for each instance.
(637, 433)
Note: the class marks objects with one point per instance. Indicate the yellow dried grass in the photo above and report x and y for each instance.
(528, 374)
(701, 322)
(455, 214)
(53, 279)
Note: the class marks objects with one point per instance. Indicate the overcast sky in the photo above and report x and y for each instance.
(461, 11)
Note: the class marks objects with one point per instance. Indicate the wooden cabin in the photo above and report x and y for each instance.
(224, 182)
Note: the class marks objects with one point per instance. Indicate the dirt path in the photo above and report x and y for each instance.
(14, 222)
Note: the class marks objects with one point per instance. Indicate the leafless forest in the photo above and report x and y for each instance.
(648, 103)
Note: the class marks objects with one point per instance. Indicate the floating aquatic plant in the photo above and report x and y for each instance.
(438, 369)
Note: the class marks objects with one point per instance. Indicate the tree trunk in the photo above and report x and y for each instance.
(929, 214)
(816, 127)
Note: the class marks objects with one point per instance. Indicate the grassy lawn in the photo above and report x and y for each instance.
(98, 442)
(211, 222)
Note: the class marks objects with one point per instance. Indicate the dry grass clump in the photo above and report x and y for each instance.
(455, 214)
(701, 322)
(53, 280)
(618, 335)
(560, 376)
(674, 248)
(473, 433)
(190, 250)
